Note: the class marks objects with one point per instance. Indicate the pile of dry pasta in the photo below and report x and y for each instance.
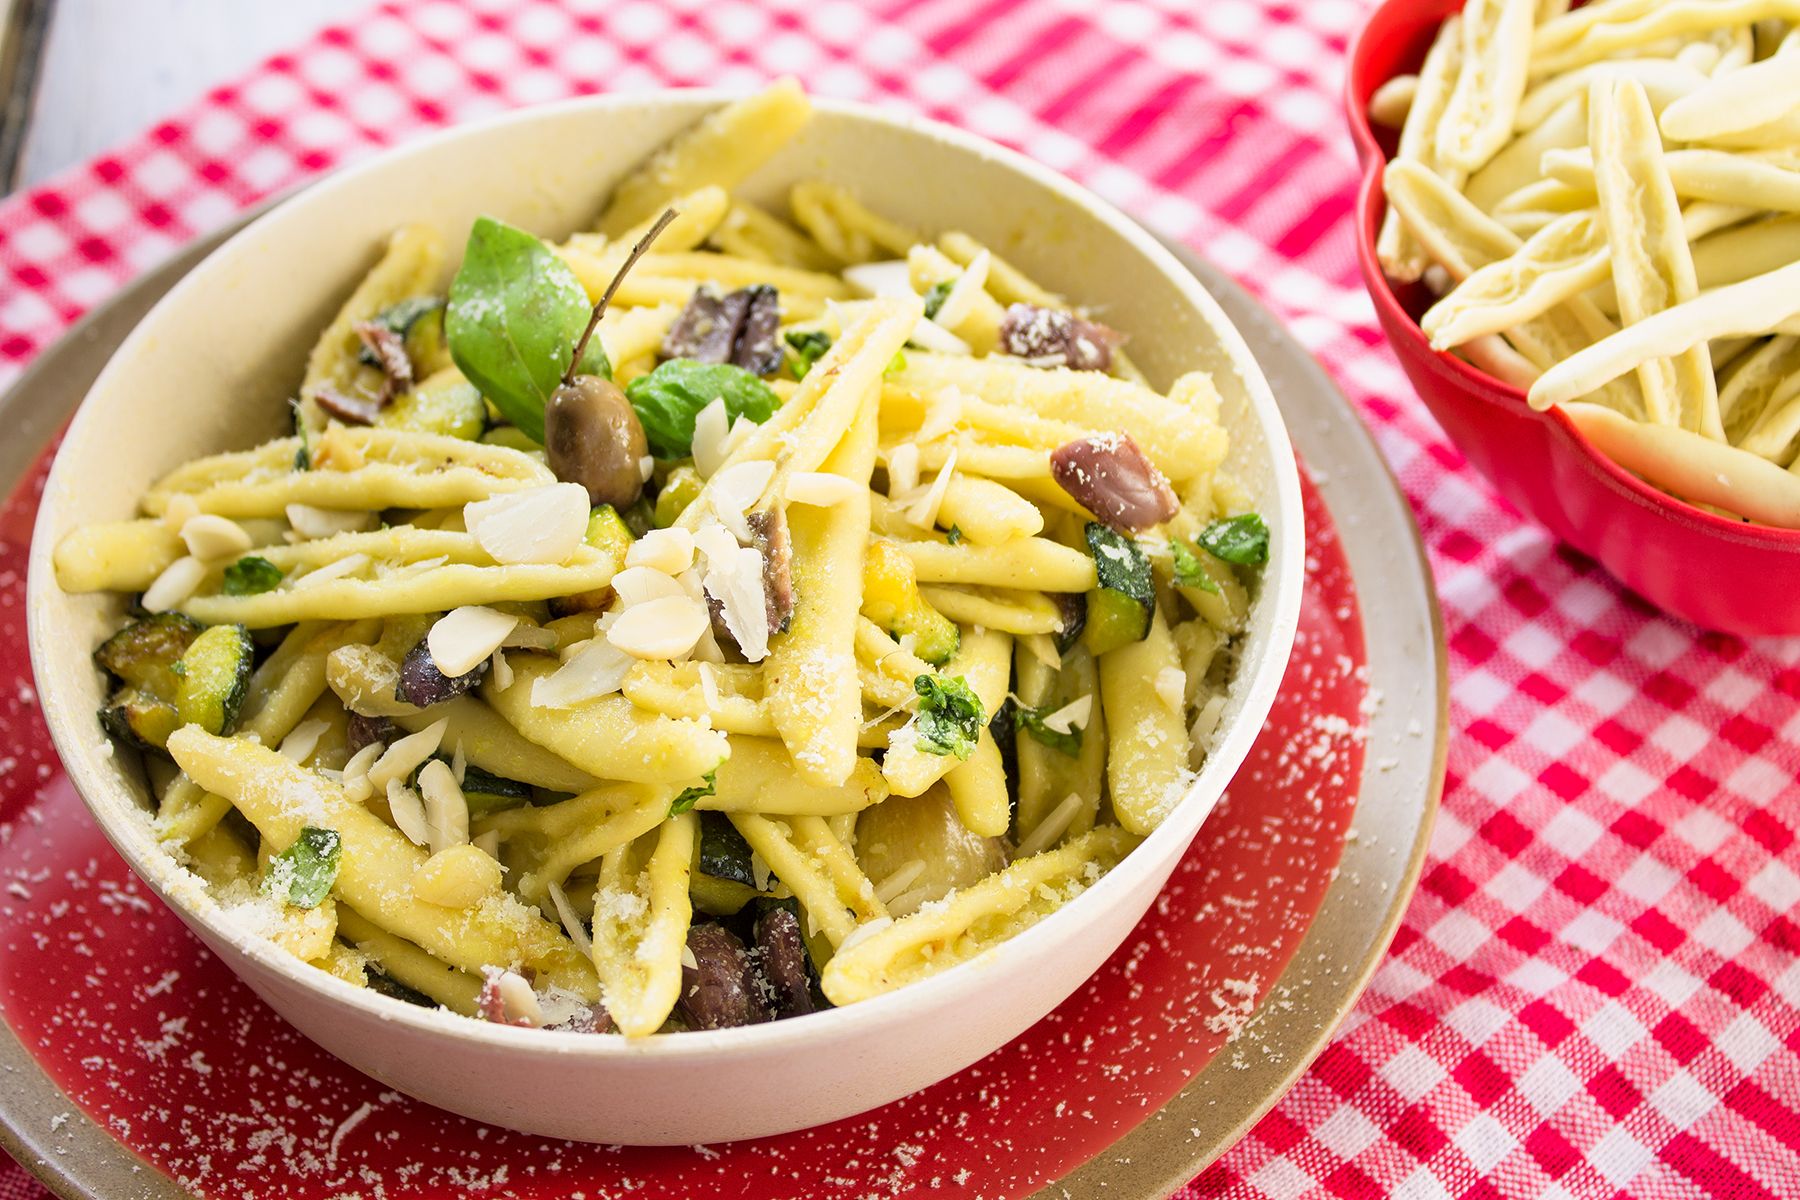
(845, 605)
(1607, 201)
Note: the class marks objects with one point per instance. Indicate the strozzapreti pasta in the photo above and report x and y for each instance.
(701, 621)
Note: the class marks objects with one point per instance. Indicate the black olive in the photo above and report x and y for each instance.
(783, 954)
(421, 682)
(720, 991)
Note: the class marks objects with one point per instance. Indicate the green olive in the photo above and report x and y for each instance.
(592, 437)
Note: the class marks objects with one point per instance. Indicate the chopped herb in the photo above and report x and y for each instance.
(1243, 540)
(809, 346)
(251, 575)
(692, 796)
(304, 872)
(936, 295)
(897, 364)
(955, 536)
(1188, 570)
(1031, 720)
(950, 715)
(668, 401)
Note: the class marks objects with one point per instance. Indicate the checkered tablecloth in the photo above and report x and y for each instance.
(1596, 992)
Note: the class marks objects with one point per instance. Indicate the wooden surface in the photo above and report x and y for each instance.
(113, 67)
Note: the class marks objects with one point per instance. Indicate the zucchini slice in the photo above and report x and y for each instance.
(892, 600)
(140, 719)
(143, 654)
(723, 880)
(1118, 611)
(444, 403)
(490, 793)
(213, 677)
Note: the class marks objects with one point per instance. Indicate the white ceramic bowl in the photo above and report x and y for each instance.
(210, 369)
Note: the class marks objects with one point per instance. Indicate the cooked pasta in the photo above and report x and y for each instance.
(1619, 237)
(837, 602)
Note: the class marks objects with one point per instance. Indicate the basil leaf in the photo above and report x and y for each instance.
(515, 314)
(1189, 572)
(692, 796)
(1031, 720)
(251, 575)
(302, 874)
(950, 715)
(668, 399)
(809, 346)
(936, 295)
(1242, 539)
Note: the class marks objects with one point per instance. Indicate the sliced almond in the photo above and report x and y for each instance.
(821, 488)
(209, 536)
(903, 470)
(735, 489)
(343, 568)
(409, 812)
(942, 417)
(670, 550)
(1171, 687)
(736, 582)
(715, 543)
(310, 522)
(502, 671)
(537, 525)
(711, 425)
(460, 639)
(924, 511)
(178, 581)
(960, 299)
(303, 739)
(640, 585)
(405, 756)
(1072, 716)
(663, 628)
(596, 669)
(519, 1001)
(446, 811)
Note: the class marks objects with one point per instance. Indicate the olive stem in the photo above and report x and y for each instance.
(637, 252)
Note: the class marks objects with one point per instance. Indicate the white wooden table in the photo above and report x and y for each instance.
(111, 68)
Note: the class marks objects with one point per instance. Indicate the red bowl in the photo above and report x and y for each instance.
(1716, 572)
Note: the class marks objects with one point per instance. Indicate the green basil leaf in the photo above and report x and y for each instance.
(251, 575)
(302, 874)
(515, 314)
(809, 346)
(668, 400)
(1031, 720)
(692, 796)
(1242, 539)
(1189, 572)
(950, 715)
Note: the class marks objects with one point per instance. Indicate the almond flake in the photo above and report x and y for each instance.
(489, 844)
(821, 488)
(892, 277)
(670, 550)
(303, 739)
(924, 511)
(406, 755)
(310, 522)
(646, 467)
(640, 585)
(526, 636)
(709, 687)
(903, 470)
(960, 299)
(209, 536)
(715, 543)
(929, 335)
(662, 628)
(360, 762)
(737, 584)
(1171, 687)
(711, 426)
(461, 638)
(571, 922)
(343, 568)
(596, 669)
(502, 671)
(543, 524)
(688, 960)
(735, 489)
(1072, 716)
(179, 580)
(1049, 831)
(446, 811)
(409, 812)
(518, 1000)
(1042, 647)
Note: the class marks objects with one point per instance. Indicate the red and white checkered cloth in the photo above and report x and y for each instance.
(1597, 990)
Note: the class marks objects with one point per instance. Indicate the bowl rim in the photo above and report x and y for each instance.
(1388, 19)
(1282, 585)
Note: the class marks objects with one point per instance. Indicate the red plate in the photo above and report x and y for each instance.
(155, 1039)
